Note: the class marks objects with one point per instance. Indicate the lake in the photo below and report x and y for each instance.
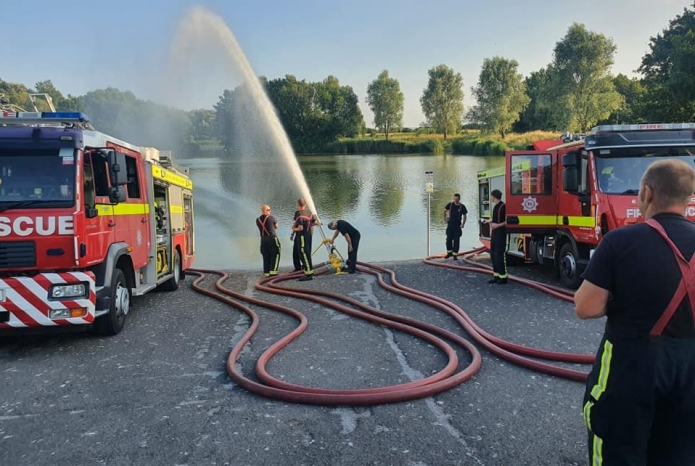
(383, 196)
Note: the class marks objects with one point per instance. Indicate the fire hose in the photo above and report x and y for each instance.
(445, 379)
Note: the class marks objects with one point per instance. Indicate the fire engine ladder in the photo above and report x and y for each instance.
(6, 106)
(47, 97)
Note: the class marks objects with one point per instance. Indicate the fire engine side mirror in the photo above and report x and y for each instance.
(117, 167)
(570, 179)
(117, 195)
(570, 159)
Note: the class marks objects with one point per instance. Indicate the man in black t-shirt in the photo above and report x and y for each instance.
(639, 403)
(270, 244)
(498, 239)
(457, 215)
(352, 236)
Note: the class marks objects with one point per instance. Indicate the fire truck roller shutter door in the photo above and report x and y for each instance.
(176, 209)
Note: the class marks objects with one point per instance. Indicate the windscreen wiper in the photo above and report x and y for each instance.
(630, 191)
(18, 204)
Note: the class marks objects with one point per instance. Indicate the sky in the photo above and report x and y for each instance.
(87, 45)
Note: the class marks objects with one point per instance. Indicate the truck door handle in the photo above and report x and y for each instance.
(143, 220)
(112, 223)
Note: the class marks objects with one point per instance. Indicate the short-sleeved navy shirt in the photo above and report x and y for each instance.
(456, 213)
(266, 225)
(305, 219)
(641, 272)
(499, 215)
(344, 227)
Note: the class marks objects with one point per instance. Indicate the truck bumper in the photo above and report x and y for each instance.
(25, 301)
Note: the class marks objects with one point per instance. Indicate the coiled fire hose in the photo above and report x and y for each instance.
(443, 380)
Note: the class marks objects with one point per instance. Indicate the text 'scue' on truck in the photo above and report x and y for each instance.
(86, 222)
(563, 198)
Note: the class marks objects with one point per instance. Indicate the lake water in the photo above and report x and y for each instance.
(383, 196)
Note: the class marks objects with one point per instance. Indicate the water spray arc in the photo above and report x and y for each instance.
(201, 31)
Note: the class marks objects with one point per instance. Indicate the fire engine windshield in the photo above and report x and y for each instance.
(36, 177)
(620, 170)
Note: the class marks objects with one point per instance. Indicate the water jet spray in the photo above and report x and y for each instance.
(198, 33)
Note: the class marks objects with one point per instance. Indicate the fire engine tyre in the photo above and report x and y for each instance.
(173, 283)
(568, 267)
(113, 322)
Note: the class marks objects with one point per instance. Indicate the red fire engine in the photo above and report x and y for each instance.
(561, 200)
(86, 222)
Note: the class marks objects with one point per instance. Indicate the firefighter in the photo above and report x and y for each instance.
(303, 229)
(498, 239)
(639, 401)
(270, 244)
(352, 237)
(457, 215)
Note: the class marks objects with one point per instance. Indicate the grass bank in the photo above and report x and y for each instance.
(468, 142)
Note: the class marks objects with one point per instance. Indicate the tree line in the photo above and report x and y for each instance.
(572, 93)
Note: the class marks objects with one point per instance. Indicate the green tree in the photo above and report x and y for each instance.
(633, 93)
(442, 100)
(500, 95)
(340, 110)
(668, 69)
(581, 90)
(537, 115)
(14, 94)
(385, 99)
(202, 124)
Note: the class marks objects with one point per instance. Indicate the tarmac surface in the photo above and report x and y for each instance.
(158, 393)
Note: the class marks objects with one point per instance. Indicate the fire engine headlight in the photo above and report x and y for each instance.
(68, 291)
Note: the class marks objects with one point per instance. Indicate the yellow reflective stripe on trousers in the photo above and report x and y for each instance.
(596, 392)
(504, 259)
(274, 267)
(597, 449)
(602, 381)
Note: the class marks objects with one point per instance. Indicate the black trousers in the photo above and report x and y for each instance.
(352, 256)
(498, 253)
(453, 239)
(303, 240)
(639, 403)
(270, 250)
(297, 253)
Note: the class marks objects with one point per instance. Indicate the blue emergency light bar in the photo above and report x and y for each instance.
(45, 118)
(62, 116)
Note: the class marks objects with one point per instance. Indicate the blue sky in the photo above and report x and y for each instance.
(125, 44)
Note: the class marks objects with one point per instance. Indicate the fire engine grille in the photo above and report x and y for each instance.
(17, 254)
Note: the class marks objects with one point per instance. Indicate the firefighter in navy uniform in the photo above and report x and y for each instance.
(454, 228)
(639, 403)
(303, 229)
(270, 244)
(352, 237)
(498, 239)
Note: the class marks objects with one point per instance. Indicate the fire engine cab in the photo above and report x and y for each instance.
(561, 200)
(86, 222)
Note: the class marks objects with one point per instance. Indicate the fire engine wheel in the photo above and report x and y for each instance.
(173, 283)
(113, 322)
(568, 267)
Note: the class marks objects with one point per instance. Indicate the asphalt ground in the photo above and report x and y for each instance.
(158, 393)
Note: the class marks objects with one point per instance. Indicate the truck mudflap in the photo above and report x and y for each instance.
(27, 302)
